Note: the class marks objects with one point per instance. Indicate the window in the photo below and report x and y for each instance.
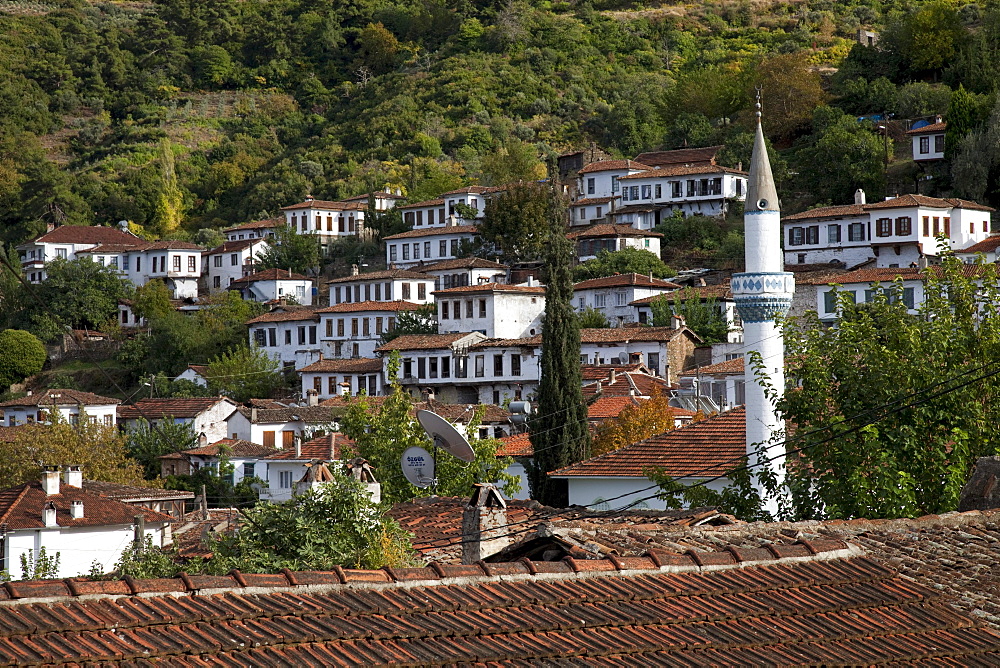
(454, 247)
(285, 479)
(883, 227)
(598, 211)
(416, 251)
(366, 327)
(177, 262)
(392, 253)
(331, 385)
(378, 325)
(833, 234)
(591, 186)
(421, 367)
(619, 299)
(217, 261)
(480, 366)
(947, 226)
(468, 308)
(446, 367)
(925, 145)
(318, 383)
(937, 226)
(812, 234)
(432, 367)
(856, 232)
(442, 248)
(444, 310)
(614, 184)
(288, 337)
(138, 264)
(515, 364)
(340, 327)
(234, 259)
(498, 365)
(653, 361)
(406, 290)
(191, 265)
(269, 439)
(430, 217)
(647, 192)
(354, 327)
(427, 250)
(658, 191)
(422, 291)
(599, 301)
(903, 226)
(691, 188)
(329, 328)
(625, 197)
(260, 337)
(675, 189)
(482, 308)
(715, 188)
(634, 192)
(830, 301)
(302, 335)
(927, 226)
(406, 251)
(795, 236)
(938, 144)
(272, 337)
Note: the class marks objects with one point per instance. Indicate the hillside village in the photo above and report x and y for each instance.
(707, 395)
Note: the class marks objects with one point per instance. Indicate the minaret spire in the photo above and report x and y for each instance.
(763, 293)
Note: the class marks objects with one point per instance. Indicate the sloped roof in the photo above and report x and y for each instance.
(932, 202)
(127, 493)
(590, 201)
(61, 398)
(380, 275)
(380, 194)
(829, 212)
(271, 275)
(235, 447)
(702, 449)
(421, 341)
(326, 204)
(286, 314)
(610, 407)
(621, 280)
(21, 508)
(235, 246)
(82, 234)
(683, 170)
(356, 307)
(177, 407)
(987, 245)
(599, 335)
(316, 448)
(321, 415)
(461, 263)
(728, 368)
(890, 274)
(416, 205)
(492, 287)
(354, 365)
(473, 190)
(612, 165)
(704, 154)
(720, 291)
(626, 384)
(931, 128)
(616, 230)
(434, 232)
(267, 223)
(518, 445)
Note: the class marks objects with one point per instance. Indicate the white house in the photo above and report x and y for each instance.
(431, 361)
(601, 179)
(280, 427)
(382, 200)
(721, 294)
(428, 244)
(988, 248)
(258, 229)
(287, 466)
(329, 378)
(78, 526)
(195, 373)
(928, 140)
(176, 263)
(382, 286)
(355, 329)
(231, 261)
(613, 237)
(696, 452)
(206, 415)
(289, 334)
(275, 284)
(591, 210)
(65, 242)
(897, 232)
(613, 295)
(724, 383)
(69, 404)
(446, 209)
(706, 190)
(244, 457)
(497, 310)
(464, 271)
(327, 221)
(863, 285)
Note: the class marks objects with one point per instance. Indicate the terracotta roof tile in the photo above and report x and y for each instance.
(720, 291)
(355, 307)
(80, 234)
(61, 398)
(728, 368)
(380, 275)
(425, 203)
(590, 201)
(327, 205)
(610, 407)
(234, 246)
(266, 224)
(287, 314)
(126, 493)
(461, 263)
(421, 341)
(21, 508)
(235, 447)
(890, 274)
(492, 287)
(434, 231)
(318, 415)
(316, 448)
(829, 212)
(518, 445)
(617, 230)
(929, 129)
(621, 280)
(612, 165)
(271, 275)
(174, 407)
(924, 200)
(684, 170)
(474, 190)
(704, 154)
(707, 448)
(342, 366)
(987, 245)
(381, 194)
(627, 384)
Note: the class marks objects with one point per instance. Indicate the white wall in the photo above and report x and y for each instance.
(107, 415)
(78, 547)
(587, 491)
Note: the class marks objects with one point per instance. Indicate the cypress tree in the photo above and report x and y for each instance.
(559, 433)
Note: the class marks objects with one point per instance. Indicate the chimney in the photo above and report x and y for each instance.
(253, 415)
(614, 376)
(202, 440)
(76, 510)
(361, 470)
(859, 196)
(676, 321)
(938, 118)
(298, 446)
(531, 281)
(50, 481)
(310, 198)
(312, 397)
(484, 524)
(922, 262)
(333, 446)
(49, 513)
(354, 270)
(73, 477)
(597, 390)
(321, 356)
(981, 492)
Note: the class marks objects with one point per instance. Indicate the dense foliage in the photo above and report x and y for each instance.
(243, 373)
(625, 261)
(21, 355)
(635, 423)
(703, 316)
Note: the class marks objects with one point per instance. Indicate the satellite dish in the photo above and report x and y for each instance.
(623, 358)
(445, 435)
(418, 466)
(123, 224)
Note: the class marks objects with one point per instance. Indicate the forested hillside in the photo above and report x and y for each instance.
(180, 115)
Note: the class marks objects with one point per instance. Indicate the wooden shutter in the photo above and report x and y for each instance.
(269, 439)
(288, 439)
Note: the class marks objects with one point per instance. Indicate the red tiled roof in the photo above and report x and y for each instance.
(705, 154)
(381, 194)
(416, 205)
(131, 493)
(421, 341)
(684, 170)
(461, 263)
(610, 407)
(286, 314)
(924, 200)
(325, 204)
(492, 287)
(355, 307)
(173, 245)
(175, 407)
(266, 224)
(829, 212)
(61, 398)
(626, 384)
(358, 365)
(612, 165)
(320, 447)
(590, 201)
(518, 445)
(380, 275)
(929, 129)
(720, 291)
(616, 230)
(890, 274)
(21, 508)
(810, 602)
(233, 246)
(701, 449)
(473, 190)
(82, 234)
(731, 367)
(987, 245)
(618, 280)
(235, 447)
(271, 275)
(601, 371)
(602, 335)
(317, 415)
(434, 231)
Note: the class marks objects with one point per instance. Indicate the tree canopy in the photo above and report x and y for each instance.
(511, 222)
(625, 261)
(243, 373)
(21, 355)
(289, 250)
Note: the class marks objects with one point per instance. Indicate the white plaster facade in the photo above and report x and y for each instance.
(69, 404)
(355, 329)
(274, 285)
(231, 261)
(409, 249)
(206, 415)
(494, 309)
(327, 221)
(258, 229)
(382, 286)
(928, 141)
(289, 335)
(613, 237)
(697, 190)
(464, 271)
(613, 295)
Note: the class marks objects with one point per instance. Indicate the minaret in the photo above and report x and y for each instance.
(763, 293)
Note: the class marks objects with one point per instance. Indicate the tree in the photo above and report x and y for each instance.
(244, 373)
(932, 35)
(513, 161)
(591, 318)
(892, 409)
(382, 429)
(635, 423)
(99, 449)
(147, 443)
(625, 261)
(511, 222)
(21, 355)
(290, 250)
(418, 321)
(965, 113)
(702, 316)
(336, 525)
(559, 432)
(152, 301)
